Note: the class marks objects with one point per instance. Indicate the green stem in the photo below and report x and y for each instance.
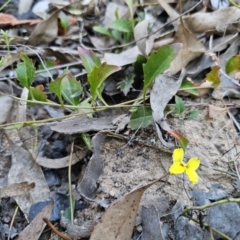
(203, 207)
(4, 5)
(209, 227)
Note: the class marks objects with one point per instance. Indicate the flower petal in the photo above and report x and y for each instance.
(178, 155)
(192, 175)
(177, 168)
(193, 163)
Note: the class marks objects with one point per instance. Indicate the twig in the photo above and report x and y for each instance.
(60, 234)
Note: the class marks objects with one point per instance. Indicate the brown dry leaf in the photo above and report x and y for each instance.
(118, 221)
(11, 20)
(172, 13)
(61, 162)
(83, 124)
(46, 31)
(16, 189)
(79, 8)
(9, 60)
(220, 21)
(192, 48)
(215, 112)
(35, 228)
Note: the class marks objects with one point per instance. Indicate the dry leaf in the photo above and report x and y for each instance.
(192, 48)
(215, 112)
(83, 124)
(151, 224)
(46, 31)
(164, 88)
(141, 31)
(16, 189)
(124, 58)
(61, 162)
(11, 20)
(6, 105)
(24, 167)
(35, 228)
(220, 21)
(88, 186)
(118, 221)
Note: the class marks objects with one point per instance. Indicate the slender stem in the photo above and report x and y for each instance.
(209, 227)
(70, 184)
(203, 207)
(4, 5)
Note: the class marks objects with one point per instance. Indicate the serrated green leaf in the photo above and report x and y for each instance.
(89, 59)
(141, 118)
(122, 25)
(187, 84)
(37, 94)
(179, 105)
(48, 64)
(126, 84)
(156, 64)
(71, 89)
(97, 77)
(55, 87)
(193, 114)
(102, 30)
(182, 140)
(25, 71)
(233, 64)
(213, 76)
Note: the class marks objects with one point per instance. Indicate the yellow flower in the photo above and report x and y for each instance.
(179, 166)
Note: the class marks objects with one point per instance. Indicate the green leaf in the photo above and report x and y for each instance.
(67, 212)
(55, 87)
(87, 140)
(126, 84)
(64, 21)
(25, 71)
(213, 76)
(182, 140)
(156, 64)
(233, 64)
(89, 59)
(71, 89)
(188, 84)
(102, 30)
(130, 7)
(141, 118)
(97, 77)
(37, 94)
(138, 65)
(2, 61)
(122, 25)
(117, 36)
(48, 64)
(179, 105)
(193, 114)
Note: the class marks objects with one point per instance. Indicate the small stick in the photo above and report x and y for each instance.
(60, 234)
